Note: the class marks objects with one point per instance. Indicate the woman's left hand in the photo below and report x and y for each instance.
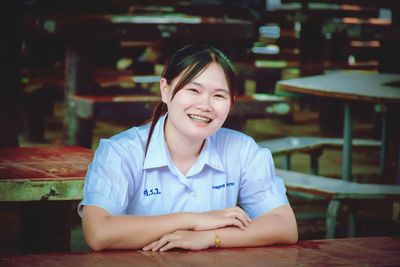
(191, 240)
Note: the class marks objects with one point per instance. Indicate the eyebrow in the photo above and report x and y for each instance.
(217, 89)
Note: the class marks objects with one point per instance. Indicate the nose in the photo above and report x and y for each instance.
(204, 102)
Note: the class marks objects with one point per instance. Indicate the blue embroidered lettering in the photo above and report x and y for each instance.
(151, 192)
(222, 185)
(218, 186)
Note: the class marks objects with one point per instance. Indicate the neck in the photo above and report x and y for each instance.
(184, 152)
(181, 149)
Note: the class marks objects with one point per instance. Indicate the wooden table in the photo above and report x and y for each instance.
(350, 87)
(43, 181)
(373, 251)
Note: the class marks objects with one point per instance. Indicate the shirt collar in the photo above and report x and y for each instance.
(158, 155)
(208, 156)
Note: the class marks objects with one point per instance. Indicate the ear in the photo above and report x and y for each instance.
(164, 89)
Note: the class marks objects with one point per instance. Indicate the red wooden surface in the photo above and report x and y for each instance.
(373, 251)
(44, 163)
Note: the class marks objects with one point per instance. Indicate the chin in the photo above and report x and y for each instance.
(202, 133)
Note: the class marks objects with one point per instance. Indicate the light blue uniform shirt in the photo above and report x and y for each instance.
(231, 170)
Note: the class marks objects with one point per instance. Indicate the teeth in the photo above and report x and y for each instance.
(198, 118)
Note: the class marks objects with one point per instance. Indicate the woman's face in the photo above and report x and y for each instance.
(200, 108)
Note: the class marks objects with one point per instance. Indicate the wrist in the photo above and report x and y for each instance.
(190, 221)
(216, 240)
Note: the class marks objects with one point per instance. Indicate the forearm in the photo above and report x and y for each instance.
(129, 232)
(277, 227)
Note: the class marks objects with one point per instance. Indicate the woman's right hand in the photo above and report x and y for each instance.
(221, 218)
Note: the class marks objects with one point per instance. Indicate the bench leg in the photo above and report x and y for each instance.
(314, 161)
(78, 131)
(351, 222)
(286, 162)
(78, 81)
(331, 215)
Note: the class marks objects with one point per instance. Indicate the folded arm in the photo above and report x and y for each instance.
(275, 227)
(104, 231)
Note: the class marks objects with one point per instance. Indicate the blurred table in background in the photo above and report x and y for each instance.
(349, 88)
(43, 181)
(81, 34)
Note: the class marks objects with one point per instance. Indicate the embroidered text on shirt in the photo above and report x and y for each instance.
(151, 192)
(222, 186)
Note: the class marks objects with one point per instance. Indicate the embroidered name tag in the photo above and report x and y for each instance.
(151, 192)
(219, 187)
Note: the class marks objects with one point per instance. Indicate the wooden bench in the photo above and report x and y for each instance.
(313, 146)
(337, 192)
(84, 110)
(41, 89)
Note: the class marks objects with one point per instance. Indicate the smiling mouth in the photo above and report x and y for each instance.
(200, 119)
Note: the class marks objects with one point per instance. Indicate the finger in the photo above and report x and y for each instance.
(245, 214)
(159, 245)
(170, 245)
(164, 240)
(237, 223)
(246, 217)
(241, 211)
(150, 246)
(240, 216)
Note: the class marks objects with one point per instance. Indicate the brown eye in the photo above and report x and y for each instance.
(220, 96)
(193, 90)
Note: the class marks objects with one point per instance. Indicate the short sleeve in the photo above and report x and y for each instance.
(108, 180)
(261, 190)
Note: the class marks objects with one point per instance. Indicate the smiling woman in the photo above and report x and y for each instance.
(182, 181)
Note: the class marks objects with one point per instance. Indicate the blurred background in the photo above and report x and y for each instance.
(74, 72)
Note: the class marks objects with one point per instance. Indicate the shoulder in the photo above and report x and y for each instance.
(127, 146)
(235, 145)
(233, 139)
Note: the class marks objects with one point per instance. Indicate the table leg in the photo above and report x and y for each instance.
(78, 131)
(391, 143)
(45, 226)
(331, 216)
(10, 75)
(78, 81)
(347, 143)
(382, 158)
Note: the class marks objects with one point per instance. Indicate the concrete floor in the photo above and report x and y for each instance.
(374, 218)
